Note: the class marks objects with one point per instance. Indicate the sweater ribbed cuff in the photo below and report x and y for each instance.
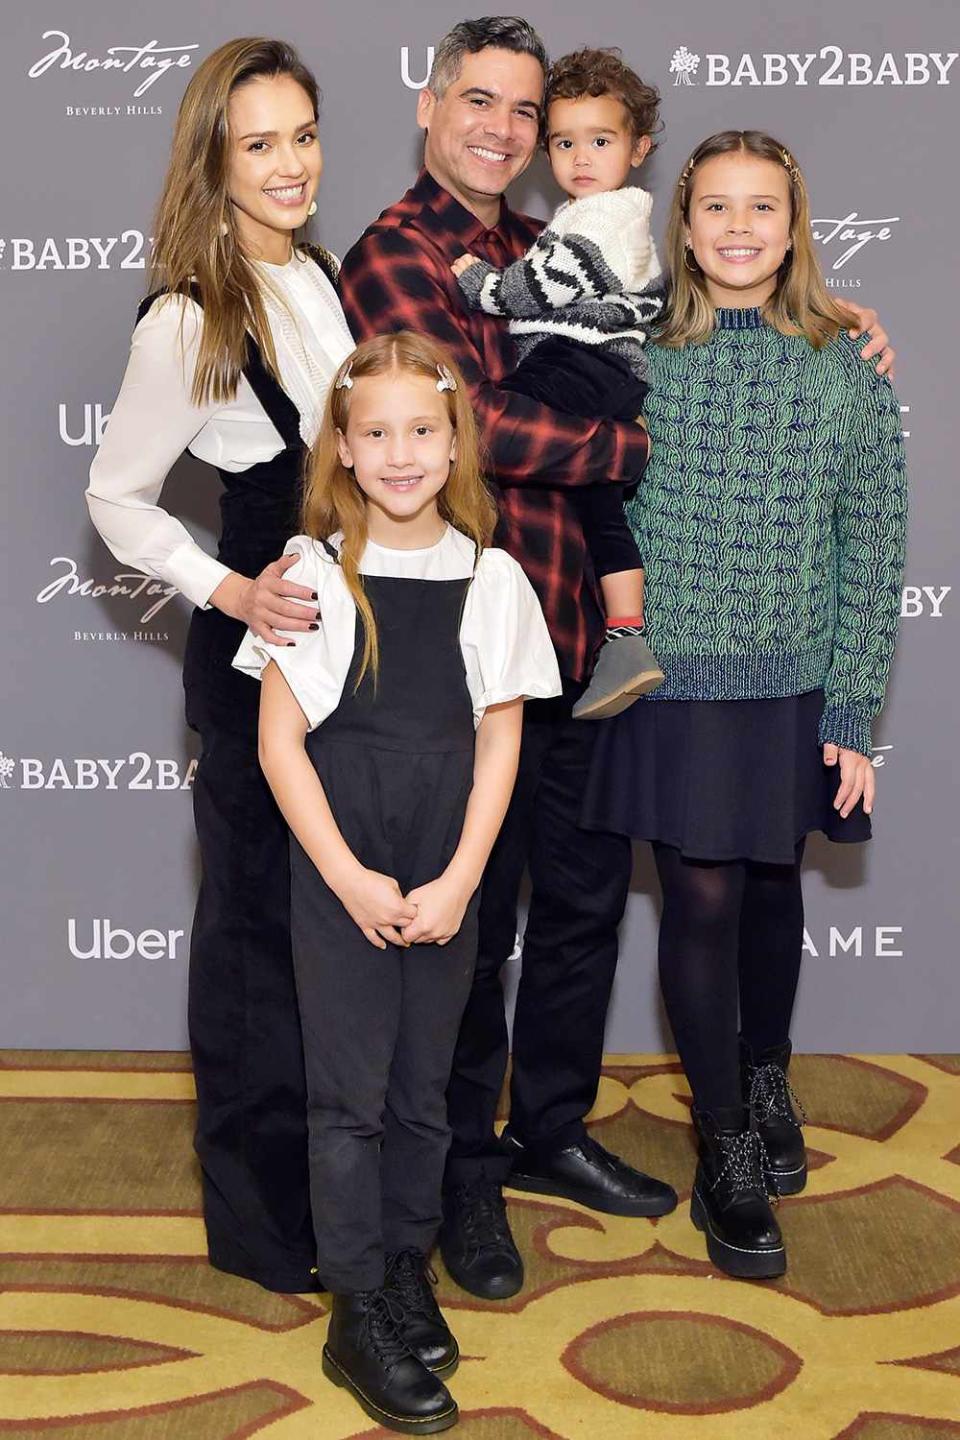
(471, 282)
(850, 729)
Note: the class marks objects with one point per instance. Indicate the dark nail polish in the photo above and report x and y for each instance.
(314, 626)
(291, 642)
(314, 595)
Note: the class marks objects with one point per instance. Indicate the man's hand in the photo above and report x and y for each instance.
(463, 263)
(879, 341)
(440, 907)
(856, 778)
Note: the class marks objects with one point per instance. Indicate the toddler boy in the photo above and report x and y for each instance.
(580, 305)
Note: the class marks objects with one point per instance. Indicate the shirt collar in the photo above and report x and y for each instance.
(451, 223)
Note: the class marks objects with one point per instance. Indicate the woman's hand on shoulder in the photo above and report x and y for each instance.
(266, 604)
(375, 903)
(440, 908)
(857, 778)
(867, 319)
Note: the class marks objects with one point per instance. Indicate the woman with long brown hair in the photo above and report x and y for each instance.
(231, 359)
(771, 521)
(390, 738)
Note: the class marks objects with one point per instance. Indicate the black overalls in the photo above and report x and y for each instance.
(251, 1134)
(379, 1026)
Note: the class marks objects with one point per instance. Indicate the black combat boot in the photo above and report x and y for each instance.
(410, 1282)
(730, 1201)
(771, 1098)
(366, 1353)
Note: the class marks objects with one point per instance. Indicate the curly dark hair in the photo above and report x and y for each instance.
(604, 72)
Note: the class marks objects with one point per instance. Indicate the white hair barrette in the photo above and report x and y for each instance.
(446, 381)
(344, 380)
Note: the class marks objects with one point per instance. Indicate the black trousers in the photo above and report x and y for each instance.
(251, 1135)
(379, 1029)
(598, 384)
(579, 888)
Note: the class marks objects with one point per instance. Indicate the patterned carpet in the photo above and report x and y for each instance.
(112, 1325)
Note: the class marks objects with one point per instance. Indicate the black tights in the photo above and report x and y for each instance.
(731, 938)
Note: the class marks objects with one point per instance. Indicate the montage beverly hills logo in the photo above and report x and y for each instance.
(144, 63)
(830, 65)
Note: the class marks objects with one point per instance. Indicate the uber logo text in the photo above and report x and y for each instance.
(425, 65)
(109, 942)
(90, 431)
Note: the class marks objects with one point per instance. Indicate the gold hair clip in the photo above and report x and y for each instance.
(446, 381)
(344, 380)
(791, 166)
(685, 174)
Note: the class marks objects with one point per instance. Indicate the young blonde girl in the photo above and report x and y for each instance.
(772, 525)
(390, 737)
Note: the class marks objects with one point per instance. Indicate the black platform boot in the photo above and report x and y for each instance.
(769, 1094)
(410, 1283)
(730, 1201)
(366, 1353)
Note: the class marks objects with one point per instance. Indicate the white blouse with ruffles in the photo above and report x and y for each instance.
(506, 648)
(154, 419)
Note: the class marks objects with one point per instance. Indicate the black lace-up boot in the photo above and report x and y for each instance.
(730, 1202)
(475, 1240)
(410, 1282)
(367, 1354)
(772, 1100)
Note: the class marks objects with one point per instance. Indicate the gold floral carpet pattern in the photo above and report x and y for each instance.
(113, 1326)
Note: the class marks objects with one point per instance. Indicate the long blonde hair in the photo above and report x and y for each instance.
(196, 238)
(333, 500)
(800, 303)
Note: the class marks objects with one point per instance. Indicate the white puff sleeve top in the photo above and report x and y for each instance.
(154, 419)
(506, 648)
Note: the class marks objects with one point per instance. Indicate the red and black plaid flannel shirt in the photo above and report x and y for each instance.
(398, 277)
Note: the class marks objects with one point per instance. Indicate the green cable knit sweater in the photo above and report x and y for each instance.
(772, 519)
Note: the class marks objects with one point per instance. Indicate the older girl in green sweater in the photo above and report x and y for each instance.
(771, 520)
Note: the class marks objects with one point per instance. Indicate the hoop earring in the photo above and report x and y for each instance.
(688, 254)
(312, 210)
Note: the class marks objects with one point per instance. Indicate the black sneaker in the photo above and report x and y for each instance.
(367, 1354)
(591, 1175)
(410, 1282)
(475, 1241)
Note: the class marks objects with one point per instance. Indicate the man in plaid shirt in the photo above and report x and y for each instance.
(481, 111)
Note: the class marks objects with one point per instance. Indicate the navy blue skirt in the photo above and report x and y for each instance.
(718, 779)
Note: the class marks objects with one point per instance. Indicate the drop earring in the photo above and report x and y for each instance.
(312, 208)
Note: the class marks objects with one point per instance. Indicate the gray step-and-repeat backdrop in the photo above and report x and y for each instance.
(95, 761)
